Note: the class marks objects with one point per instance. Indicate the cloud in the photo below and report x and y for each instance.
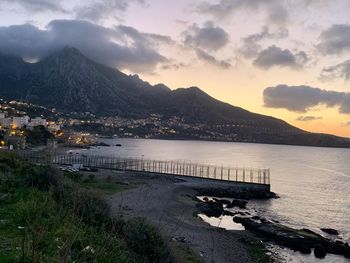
(204, 40)
(35, 5)
(123, 47)
(251, 44)
(308, 118)
(341, 70)
(347, 123)
(201, 54)
(275, 10)
(275, 56)
(303, 98)
(208, 37)
(335, 40)
(100, 10)
(173, 66)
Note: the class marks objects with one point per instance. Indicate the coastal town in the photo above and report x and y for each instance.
(17, 117)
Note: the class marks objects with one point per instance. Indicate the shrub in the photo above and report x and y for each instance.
(38, 135)
(144, 239)
(108, 179)
(41, 177)
(47, 234)
(8, 160)
(91, 177)
(76, 177)
(90, 208)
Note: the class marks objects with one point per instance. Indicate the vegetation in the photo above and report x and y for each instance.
(104, 187)
(38, 135)
(259, 252)
(48, 217)
(184, 254)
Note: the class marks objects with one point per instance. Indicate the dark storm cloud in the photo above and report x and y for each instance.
(308, 118)
(341, 70)
(208, 37)
(275, 10)
(203, 55)
(122, 47)
(35, 5)
(275, 56)
(303, 98)
(251, 44)
(99, 10)
(335, 40)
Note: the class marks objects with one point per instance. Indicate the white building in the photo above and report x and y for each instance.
(38, 121)
(53, 127)
(6, 122)
(19, 122)
(3, 115)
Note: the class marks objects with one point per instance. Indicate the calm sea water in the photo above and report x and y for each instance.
(313, 183)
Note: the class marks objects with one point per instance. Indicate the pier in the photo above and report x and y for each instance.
(162, 167)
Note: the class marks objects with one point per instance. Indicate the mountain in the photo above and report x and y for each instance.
(70, 82)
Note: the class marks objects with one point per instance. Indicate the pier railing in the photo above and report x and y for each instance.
(172, 167)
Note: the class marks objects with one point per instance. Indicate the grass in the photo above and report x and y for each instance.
(47, 216)
(106, 188)
(258, 251)
(50, 235)
(183, 253)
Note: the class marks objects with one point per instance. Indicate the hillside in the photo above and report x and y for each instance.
(70, 82)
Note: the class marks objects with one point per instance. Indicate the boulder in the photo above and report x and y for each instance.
(233, 192)
(211, 208)
(330, 231)
(222, 201)
(228, 213)
(320, 251)
(238, 203)
(103, 144)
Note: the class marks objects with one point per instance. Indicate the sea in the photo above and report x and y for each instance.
(313, 183)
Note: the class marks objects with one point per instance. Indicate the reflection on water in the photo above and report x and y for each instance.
(290, 256)
(224, 222)
(313, 183)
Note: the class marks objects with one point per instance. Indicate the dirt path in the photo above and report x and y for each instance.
(168, 204)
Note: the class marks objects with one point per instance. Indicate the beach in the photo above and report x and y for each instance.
(168, 203)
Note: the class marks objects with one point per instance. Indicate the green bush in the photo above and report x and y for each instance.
(76, 177)
(50, 220)
(144, 239)
(8, 161)
(90, 208)
(41, 177)
(38, 135)
(91, 177)
(45, 234)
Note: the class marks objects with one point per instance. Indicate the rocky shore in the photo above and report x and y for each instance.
(170, 204)
(302, 240)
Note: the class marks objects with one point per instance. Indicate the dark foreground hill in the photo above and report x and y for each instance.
(70, 82)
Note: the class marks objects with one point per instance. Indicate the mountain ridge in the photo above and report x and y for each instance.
(69, 81)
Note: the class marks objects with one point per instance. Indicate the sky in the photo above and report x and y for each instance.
(285, 58)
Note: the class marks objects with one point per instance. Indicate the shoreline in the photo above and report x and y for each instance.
(223, 141)
(257, 206)
(169, 204)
